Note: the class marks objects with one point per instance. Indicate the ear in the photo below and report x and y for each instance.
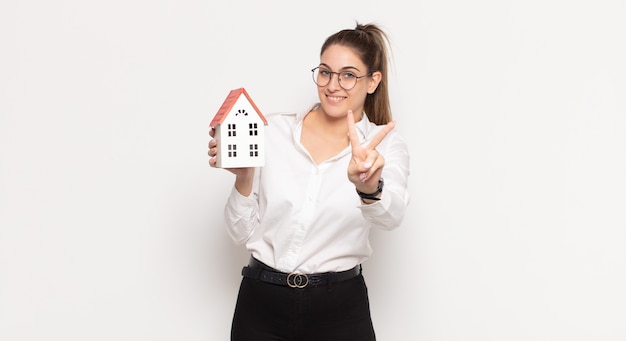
(375, 79)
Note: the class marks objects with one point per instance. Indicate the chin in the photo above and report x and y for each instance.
(335, 111)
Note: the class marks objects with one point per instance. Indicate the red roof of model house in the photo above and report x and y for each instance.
(231, 99)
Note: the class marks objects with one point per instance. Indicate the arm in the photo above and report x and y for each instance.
(242, 215)
(388, 212)
(241, 211)
(367, 166)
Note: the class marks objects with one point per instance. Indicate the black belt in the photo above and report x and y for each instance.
(262, 272)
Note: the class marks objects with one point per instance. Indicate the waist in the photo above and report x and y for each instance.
(259, 271)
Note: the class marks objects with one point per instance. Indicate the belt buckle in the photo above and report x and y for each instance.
(297, 280)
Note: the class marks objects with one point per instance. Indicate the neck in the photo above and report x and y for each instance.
(331, 126)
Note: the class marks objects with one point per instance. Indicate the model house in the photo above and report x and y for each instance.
(240, 132)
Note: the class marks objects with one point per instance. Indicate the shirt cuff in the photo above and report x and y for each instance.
(377, 208)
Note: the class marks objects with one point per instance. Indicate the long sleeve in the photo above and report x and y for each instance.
(242, 215)
(306, 216)
(388, 212)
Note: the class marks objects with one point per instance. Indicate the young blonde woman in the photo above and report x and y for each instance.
(331, 174)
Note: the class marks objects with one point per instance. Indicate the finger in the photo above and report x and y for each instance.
(374, 163)
(212, 131)
(352, 135)
(381, 134)
(371, 159)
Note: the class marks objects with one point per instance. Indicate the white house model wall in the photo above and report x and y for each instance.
(241, 136)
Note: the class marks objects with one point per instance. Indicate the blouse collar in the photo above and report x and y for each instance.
(363, 126)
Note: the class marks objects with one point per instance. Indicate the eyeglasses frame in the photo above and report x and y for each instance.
(338, 78)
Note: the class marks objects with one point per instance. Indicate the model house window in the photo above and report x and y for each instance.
(254, 150)
(254, 130)
(241, 112)
(232, 150)
(232, 129)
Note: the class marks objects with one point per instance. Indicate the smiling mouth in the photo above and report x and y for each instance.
(335, 98)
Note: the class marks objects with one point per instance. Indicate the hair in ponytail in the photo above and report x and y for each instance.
(370, 43)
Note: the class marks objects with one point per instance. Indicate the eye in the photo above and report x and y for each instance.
(325, 73)
(347, 75)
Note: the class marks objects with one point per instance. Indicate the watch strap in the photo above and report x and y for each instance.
(372, 196)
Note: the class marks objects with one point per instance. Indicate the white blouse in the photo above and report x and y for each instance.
(307, 217)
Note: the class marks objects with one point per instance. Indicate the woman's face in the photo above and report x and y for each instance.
(335, 100)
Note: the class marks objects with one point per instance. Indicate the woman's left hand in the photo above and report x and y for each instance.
(367, 164)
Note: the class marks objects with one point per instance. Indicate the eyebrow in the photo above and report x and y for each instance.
(342, 69)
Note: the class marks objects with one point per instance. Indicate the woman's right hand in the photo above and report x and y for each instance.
(244, 176)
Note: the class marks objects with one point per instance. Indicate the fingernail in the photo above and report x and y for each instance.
(367, 165)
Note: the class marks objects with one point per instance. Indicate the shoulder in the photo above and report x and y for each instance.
(280, 116)
(371, 129)
(280, 120)
(393, 141)
(288, 118)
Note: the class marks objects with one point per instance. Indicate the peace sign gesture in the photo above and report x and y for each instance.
(366, 164)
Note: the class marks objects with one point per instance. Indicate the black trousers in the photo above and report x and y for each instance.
(339, 311)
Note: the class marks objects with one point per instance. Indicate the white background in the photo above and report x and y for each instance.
(111, 221)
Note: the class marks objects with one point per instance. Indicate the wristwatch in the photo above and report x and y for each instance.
(372, 196)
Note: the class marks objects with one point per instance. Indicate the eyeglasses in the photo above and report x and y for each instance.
(347, 79)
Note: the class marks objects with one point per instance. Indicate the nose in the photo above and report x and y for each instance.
(333, 84)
